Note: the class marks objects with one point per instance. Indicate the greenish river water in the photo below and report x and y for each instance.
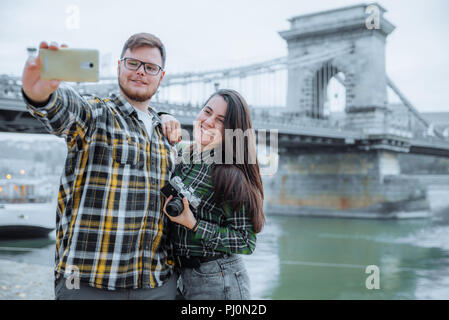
(318, 258)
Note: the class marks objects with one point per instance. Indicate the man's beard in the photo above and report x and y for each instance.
(135, 97)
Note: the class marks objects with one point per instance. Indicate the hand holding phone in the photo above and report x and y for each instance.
(36, 88)
(42, 75)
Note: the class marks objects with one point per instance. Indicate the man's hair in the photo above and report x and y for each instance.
(144, 39)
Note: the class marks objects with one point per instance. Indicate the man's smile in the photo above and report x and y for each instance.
(139, 82)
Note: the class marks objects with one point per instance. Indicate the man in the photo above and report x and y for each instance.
(111, 232)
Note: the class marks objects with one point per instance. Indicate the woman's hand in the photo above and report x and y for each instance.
(186, 218)
(171, 128)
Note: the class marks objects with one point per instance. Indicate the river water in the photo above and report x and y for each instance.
(320, 258)
(316, 258)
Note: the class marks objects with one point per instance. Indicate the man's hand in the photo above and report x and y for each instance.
(35, 88)
(171, 128)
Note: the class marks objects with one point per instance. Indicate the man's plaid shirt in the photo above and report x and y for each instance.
(109, 223)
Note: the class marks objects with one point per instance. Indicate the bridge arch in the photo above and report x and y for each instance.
(328, 90)
(338, 41)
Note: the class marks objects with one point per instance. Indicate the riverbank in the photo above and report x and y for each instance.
(298, 258)
(23, 281)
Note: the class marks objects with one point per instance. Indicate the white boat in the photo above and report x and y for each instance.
(27, 220)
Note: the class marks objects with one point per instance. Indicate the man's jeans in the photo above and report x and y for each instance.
(222, 279)
(86, 292)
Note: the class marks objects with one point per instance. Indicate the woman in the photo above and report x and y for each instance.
(207, 242)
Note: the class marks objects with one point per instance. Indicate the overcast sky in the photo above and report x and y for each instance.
(209, 34)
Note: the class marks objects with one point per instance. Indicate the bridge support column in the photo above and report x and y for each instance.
(353, 184)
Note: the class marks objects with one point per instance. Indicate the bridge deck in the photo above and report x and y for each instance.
(293, 131)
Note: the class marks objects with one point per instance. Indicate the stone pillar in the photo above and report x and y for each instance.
(345, 183)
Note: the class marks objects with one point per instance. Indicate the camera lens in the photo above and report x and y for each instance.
(175, 207)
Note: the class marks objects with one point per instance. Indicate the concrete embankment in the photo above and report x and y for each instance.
(22, 281)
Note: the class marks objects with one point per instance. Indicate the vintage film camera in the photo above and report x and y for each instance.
(178, 190)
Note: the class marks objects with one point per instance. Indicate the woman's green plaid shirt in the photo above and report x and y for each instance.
(220, 229)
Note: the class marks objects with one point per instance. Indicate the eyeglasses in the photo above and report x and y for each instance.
(134, 64)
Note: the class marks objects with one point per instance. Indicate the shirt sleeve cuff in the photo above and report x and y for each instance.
(41, 109)
(205, 231)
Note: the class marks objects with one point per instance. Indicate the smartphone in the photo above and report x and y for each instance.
(66, 64)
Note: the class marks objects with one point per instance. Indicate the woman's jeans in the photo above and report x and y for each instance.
(222, 279)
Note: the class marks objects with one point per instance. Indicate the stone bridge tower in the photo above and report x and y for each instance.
(360, 177)
(354, 38)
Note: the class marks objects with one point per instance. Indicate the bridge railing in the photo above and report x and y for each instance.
(399, 124)
(259, 117)
(11, 89)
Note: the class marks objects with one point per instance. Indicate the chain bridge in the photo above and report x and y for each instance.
(339, 142)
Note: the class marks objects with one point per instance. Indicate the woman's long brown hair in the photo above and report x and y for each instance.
(239, 183)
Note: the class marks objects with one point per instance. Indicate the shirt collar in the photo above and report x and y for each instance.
(128, 109)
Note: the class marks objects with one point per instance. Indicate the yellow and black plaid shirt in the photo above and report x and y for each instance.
(109, 224)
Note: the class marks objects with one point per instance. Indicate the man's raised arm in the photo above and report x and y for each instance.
(62, 111)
